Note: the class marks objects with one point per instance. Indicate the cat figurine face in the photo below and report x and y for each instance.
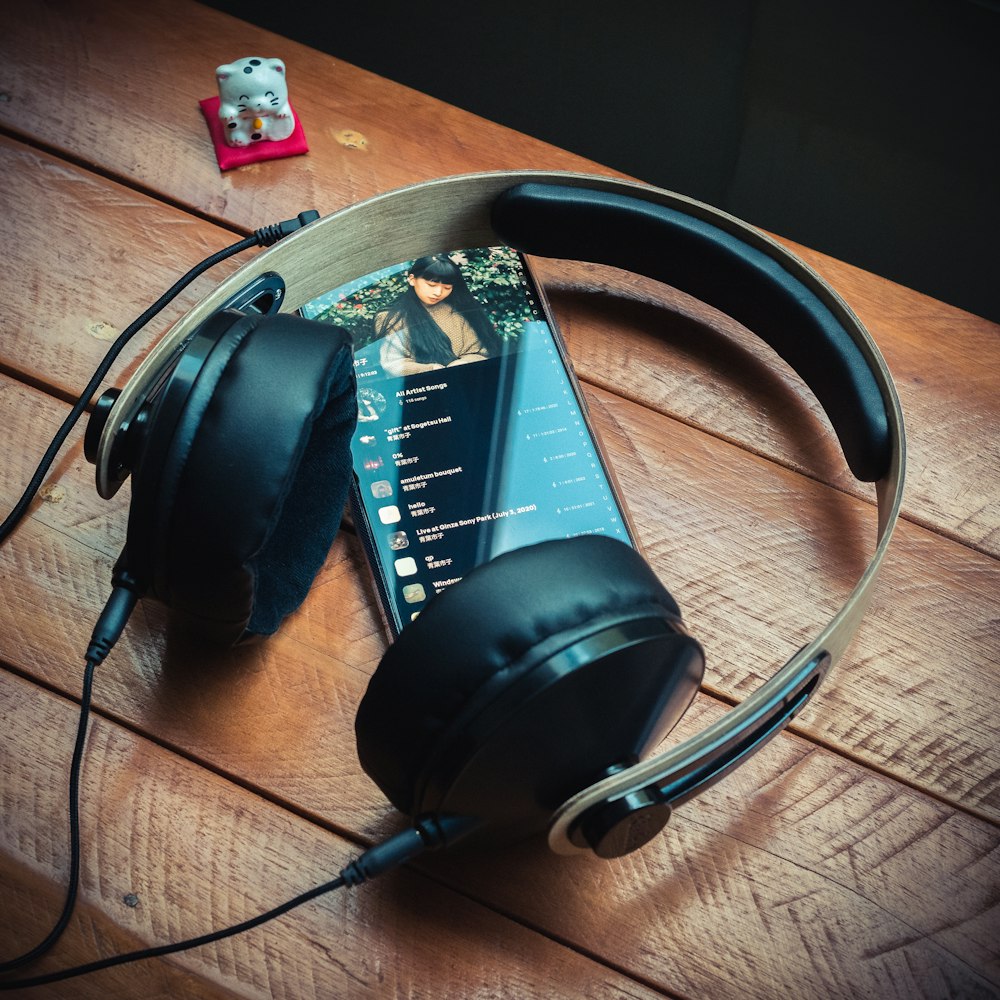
(253, 101)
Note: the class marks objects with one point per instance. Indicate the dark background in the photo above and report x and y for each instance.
(863, 128)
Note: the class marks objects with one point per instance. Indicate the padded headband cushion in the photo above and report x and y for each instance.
(719, 268)
(252, 479)
(481, 635)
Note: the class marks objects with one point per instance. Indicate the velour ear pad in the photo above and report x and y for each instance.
(240, 485)
(535, 623)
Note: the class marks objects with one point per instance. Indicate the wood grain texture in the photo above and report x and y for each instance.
(819, 881)
(172, 851)
(795, 817)
(71, 288)
(668, 351)
(665, 350)
(809, 545)
(799, 840)
(409, 135)
(857, 856)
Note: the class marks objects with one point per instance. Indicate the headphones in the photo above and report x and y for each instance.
(236, 429)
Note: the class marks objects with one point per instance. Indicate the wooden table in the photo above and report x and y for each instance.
(856, 856)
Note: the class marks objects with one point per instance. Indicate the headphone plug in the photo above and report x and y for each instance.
(116, 613)
(269, 235)
(427, 833)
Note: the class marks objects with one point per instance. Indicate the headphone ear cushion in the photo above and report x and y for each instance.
(482, 635)
(237, 501)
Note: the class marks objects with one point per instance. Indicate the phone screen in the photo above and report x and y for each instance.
(472, 437)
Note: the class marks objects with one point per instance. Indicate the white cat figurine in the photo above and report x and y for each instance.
(253, 101)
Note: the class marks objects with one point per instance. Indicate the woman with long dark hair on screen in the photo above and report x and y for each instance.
(436, 323)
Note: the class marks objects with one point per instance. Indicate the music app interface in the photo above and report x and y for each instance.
(458, 464)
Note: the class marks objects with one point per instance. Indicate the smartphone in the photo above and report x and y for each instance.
(473, 436)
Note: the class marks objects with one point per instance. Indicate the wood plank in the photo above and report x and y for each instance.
(243, 712)
(668, 351)
(801, 872)
(171, 851)
(90, 256)
(856, 882)
(104, 49)
(759, 558)
(797, 876)
(946, 363)
(631, 335)
(721, 519)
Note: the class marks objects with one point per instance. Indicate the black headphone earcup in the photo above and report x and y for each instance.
(528, 680)
(240, 485)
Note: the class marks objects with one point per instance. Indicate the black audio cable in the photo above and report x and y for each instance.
(125, 593)
(265, 237)
(427, 833)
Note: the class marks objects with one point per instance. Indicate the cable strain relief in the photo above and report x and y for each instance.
(115, 616)
(391, 853)
(427, 833)
(269, 235)
(446, 830)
